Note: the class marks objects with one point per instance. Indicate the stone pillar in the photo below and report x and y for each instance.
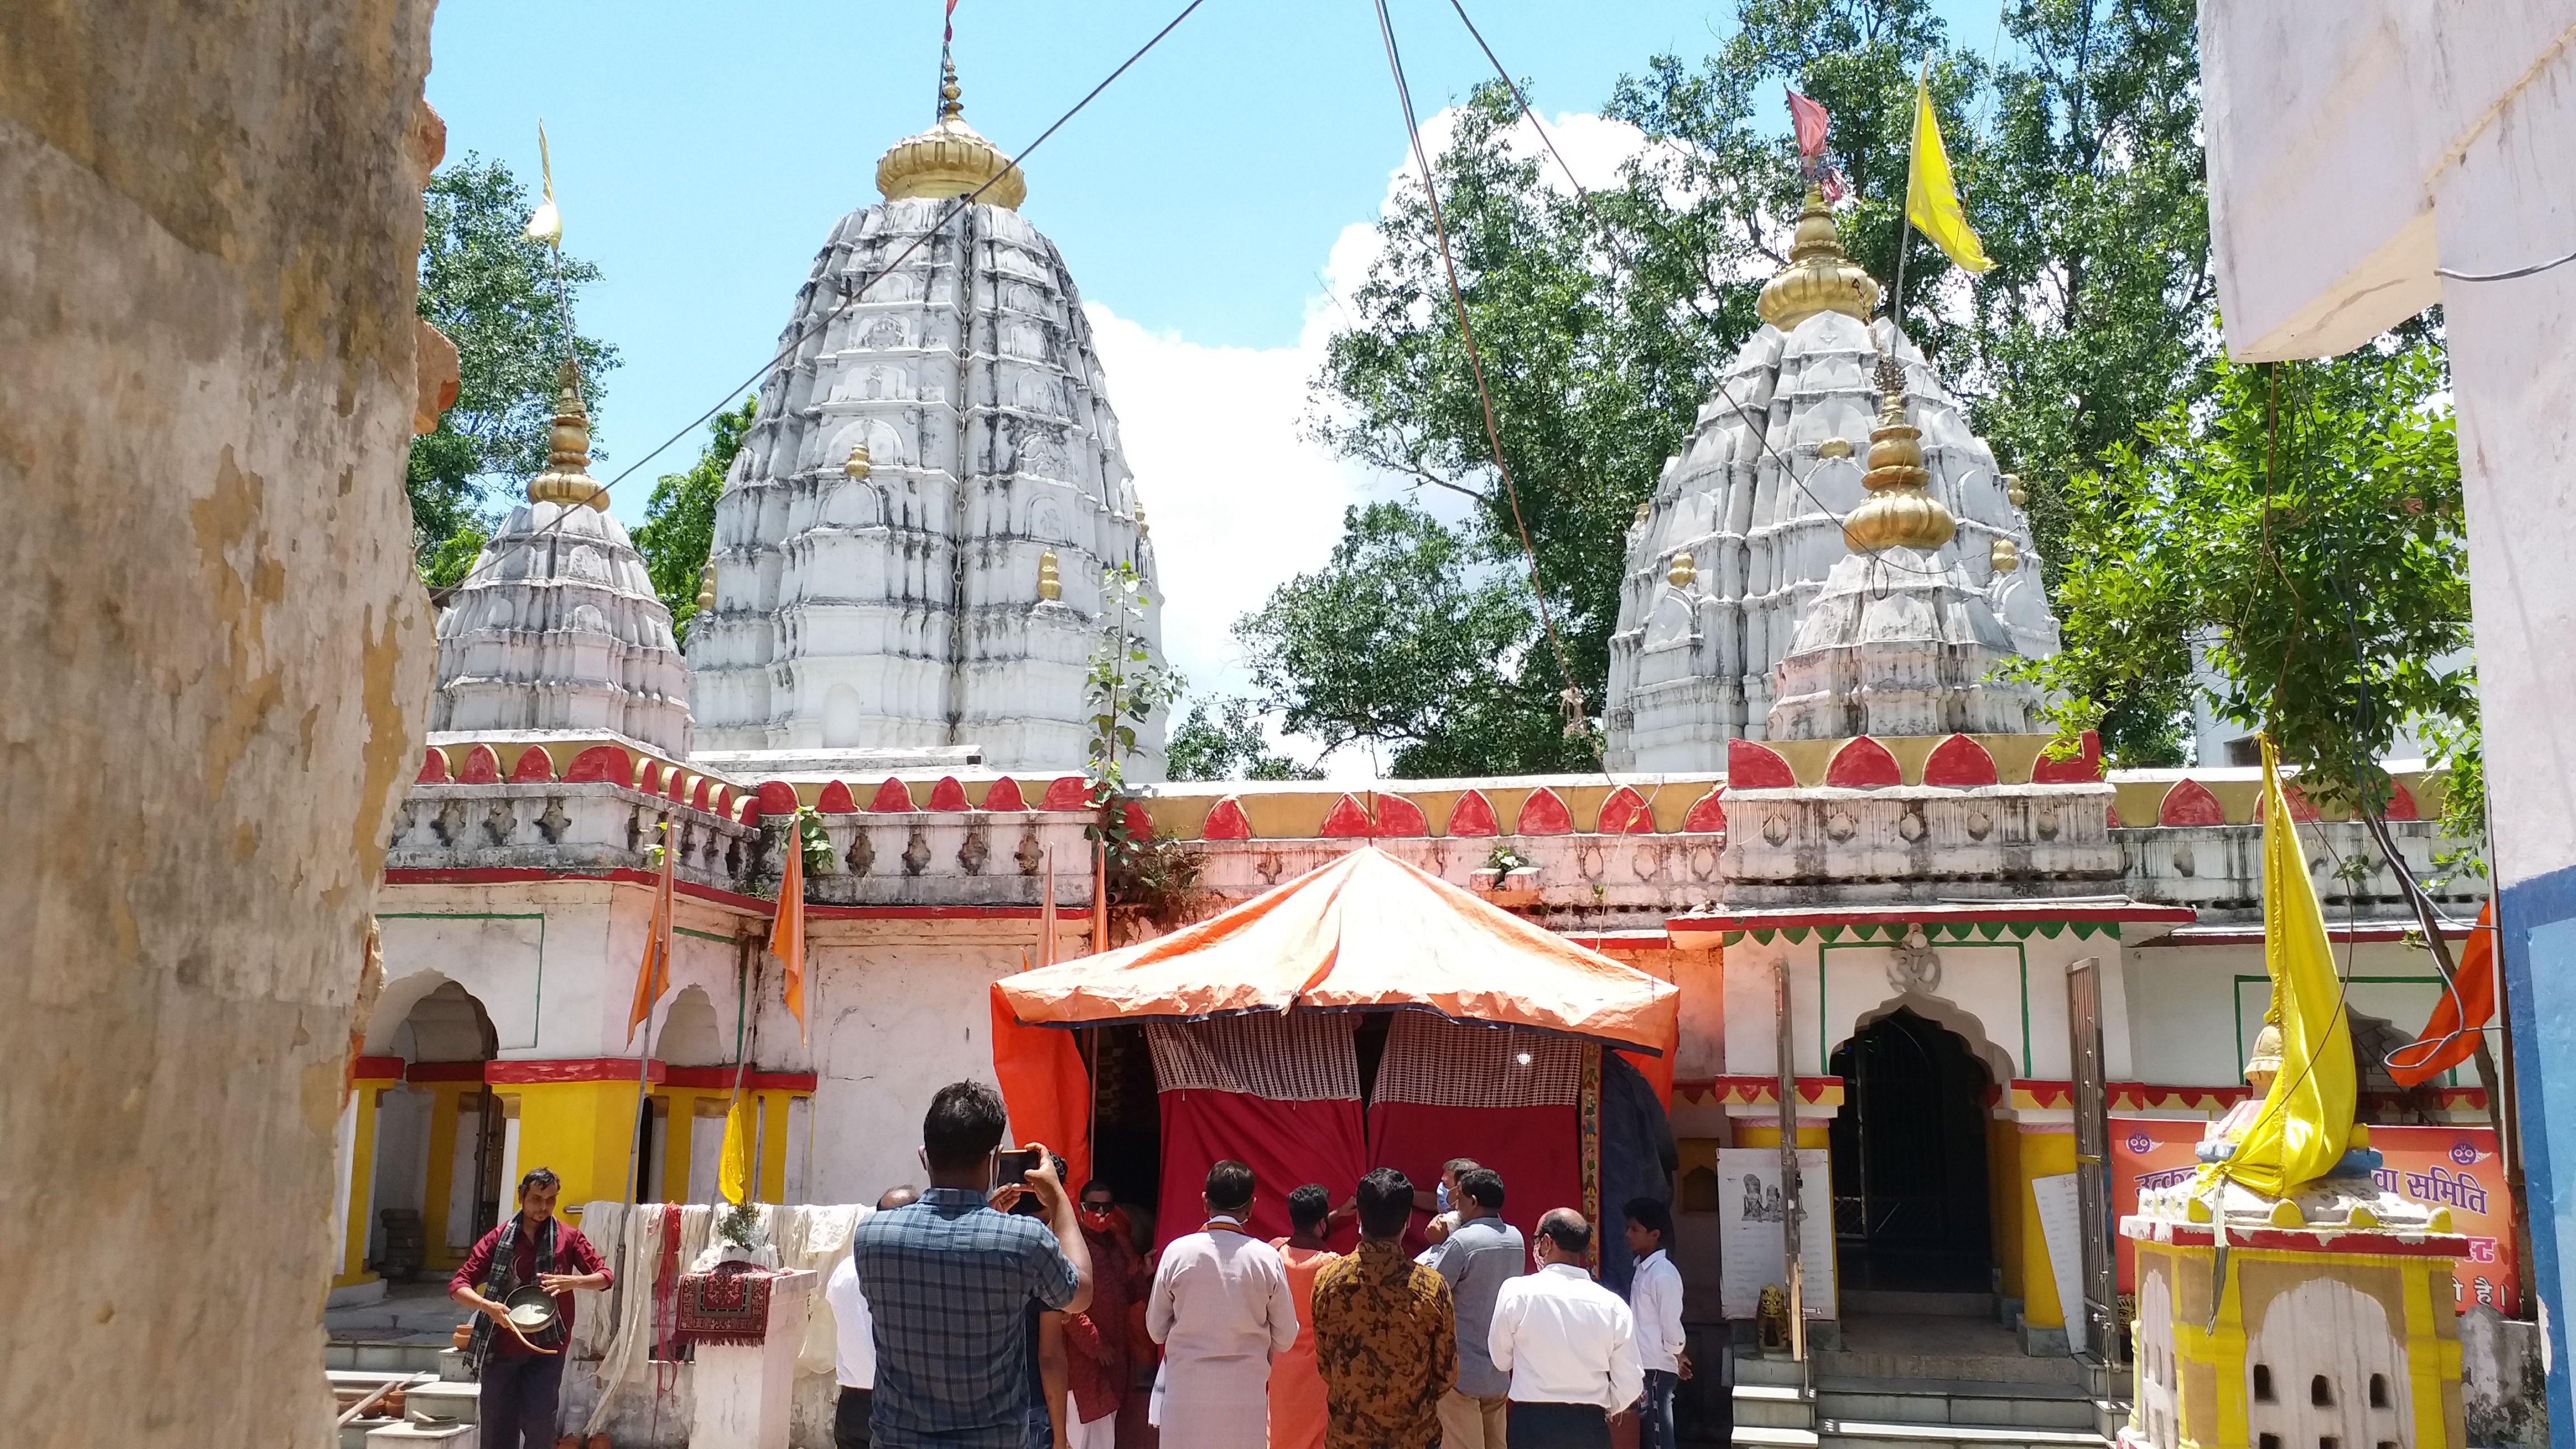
(741, 1393)
(373, 1077)
(577, 1117)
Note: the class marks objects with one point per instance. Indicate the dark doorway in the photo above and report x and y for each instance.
(1127, 1128)
(1909, 1161)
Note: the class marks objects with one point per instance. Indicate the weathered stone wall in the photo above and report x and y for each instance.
(215, 679)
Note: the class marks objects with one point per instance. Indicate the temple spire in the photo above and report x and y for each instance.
(950, 160)
(567, 479)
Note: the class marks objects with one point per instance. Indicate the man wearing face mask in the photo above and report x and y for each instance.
(1093, 1345)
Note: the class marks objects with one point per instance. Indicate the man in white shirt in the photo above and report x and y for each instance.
(1221, 1307)
(1655, 1297)
(854, 1345)
(1568, 1343)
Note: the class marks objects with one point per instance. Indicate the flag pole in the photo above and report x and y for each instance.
(1905, 212)
(644, 1053)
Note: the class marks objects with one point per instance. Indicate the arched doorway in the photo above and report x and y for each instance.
(434, 1183)
(1909, 1160)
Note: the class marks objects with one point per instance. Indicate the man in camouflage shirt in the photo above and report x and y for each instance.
(1386, 1338)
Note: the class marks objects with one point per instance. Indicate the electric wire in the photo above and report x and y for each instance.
(803, 327)
(2533, 270)
(1610, 239)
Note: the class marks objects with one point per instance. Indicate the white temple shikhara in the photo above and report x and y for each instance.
(1737, 564)
(909, 549)
(557, 626)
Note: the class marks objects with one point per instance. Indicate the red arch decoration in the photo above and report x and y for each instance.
(1067, 792)
(1227, 822)
(1708, 812)
(948, 794)
(433, 767)
(1625, 813)
(482, 767)
(1863, 764)
(836, 799)
(892, 797)
(1544, 813)
(1961, 762)
(1005, 795)
(2081, 768)
(1472, 816)
(2190, 803)
(1754, 766)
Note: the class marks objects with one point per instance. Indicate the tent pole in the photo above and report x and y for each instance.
(1792, 1191)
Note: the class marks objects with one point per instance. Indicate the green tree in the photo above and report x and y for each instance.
(2301, 527)
(1402, 640)
(504, 300)
(679, 527)
(1221, 739)
(1602, 323)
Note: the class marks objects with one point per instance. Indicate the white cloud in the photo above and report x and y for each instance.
(1240, 502)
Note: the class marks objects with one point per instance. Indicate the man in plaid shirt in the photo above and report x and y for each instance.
(949, 1280)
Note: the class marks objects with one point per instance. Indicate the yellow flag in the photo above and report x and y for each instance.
(2307, 1117)
(1932, 196)
(733, 1172)
(547, 224)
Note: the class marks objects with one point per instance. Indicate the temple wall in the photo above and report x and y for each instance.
(2353, 150)
(217, 676)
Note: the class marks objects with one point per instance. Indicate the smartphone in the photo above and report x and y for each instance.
(1011, 1169)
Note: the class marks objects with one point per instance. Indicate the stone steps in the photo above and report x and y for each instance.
(1773, 1406)
(1959, 1402)
(1996, 1368)
(1854, 1302)
(407, 1435)
(1867, 1434)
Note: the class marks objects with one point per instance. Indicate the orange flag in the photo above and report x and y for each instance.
(2452, 1036)
(653, 973)
(1044, 1086)
(787, 932)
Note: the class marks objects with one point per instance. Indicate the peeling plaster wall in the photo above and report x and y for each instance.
(216, 679)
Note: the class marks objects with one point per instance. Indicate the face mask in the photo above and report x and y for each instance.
(1440, 1194)
(1097, 1217)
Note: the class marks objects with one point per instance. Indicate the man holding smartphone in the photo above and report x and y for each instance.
(949, 1280)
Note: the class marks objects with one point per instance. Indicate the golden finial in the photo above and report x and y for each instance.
(950, 160)
(1050, 583)
(2003, 556)
(1900, 512)
(857, 466)
(2013, 490)
(567, 477)
(1644, 506)
(1834, 448)
(1683, 571)
(1819, 277)
(707, 587)
(1142, 527)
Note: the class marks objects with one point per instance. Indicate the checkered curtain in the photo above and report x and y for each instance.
(1437, 1062)
(1292, 1056)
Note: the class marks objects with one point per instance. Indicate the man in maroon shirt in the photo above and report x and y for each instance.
(517, 1404)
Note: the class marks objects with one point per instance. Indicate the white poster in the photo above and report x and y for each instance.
(1750, 1215)
(2061, 1223)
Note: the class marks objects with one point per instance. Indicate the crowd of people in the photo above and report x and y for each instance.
(995, 1310)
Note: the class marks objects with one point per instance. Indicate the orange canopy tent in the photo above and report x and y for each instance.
(1367, 931)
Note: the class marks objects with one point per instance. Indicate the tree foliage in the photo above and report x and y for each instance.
(1221, 739)
(679, 527)
(1403, 641)
(1602, 323)
(495, 293)
(2302, 527)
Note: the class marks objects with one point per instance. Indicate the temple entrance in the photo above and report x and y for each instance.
(1909, 1160)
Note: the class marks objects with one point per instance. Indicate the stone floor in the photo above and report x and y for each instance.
(415, 1312)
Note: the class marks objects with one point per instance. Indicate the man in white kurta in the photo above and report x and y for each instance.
(1220, 1307)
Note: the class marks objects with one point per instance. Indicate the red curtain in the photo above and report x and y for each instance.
(1286, 1144)
(1538, 1151)
(1044, 1087)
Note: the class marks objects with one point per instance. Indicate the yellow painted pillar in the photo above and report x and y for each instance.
(577, 1117)
(2042, 1153)
(439, 1183)
(2005, 1190)
(371, 1077)
(679, 1131)
(772, 1183)
(1767, 1134)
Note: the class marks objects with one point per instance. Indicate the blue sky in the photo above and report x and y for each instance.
(1203, 203)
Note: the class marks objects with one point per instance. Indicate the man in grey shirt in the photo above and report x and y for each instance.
(1480, 1256)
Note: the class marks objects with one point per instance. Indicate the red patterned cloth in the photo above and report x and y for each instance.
(729, 1303)
(1455, 1089)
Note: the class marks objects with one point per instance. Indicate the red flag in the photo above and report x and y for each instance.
(1810, 120)
(653, 973)
(2451, 1037)
(948, 27)
(787, 933)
